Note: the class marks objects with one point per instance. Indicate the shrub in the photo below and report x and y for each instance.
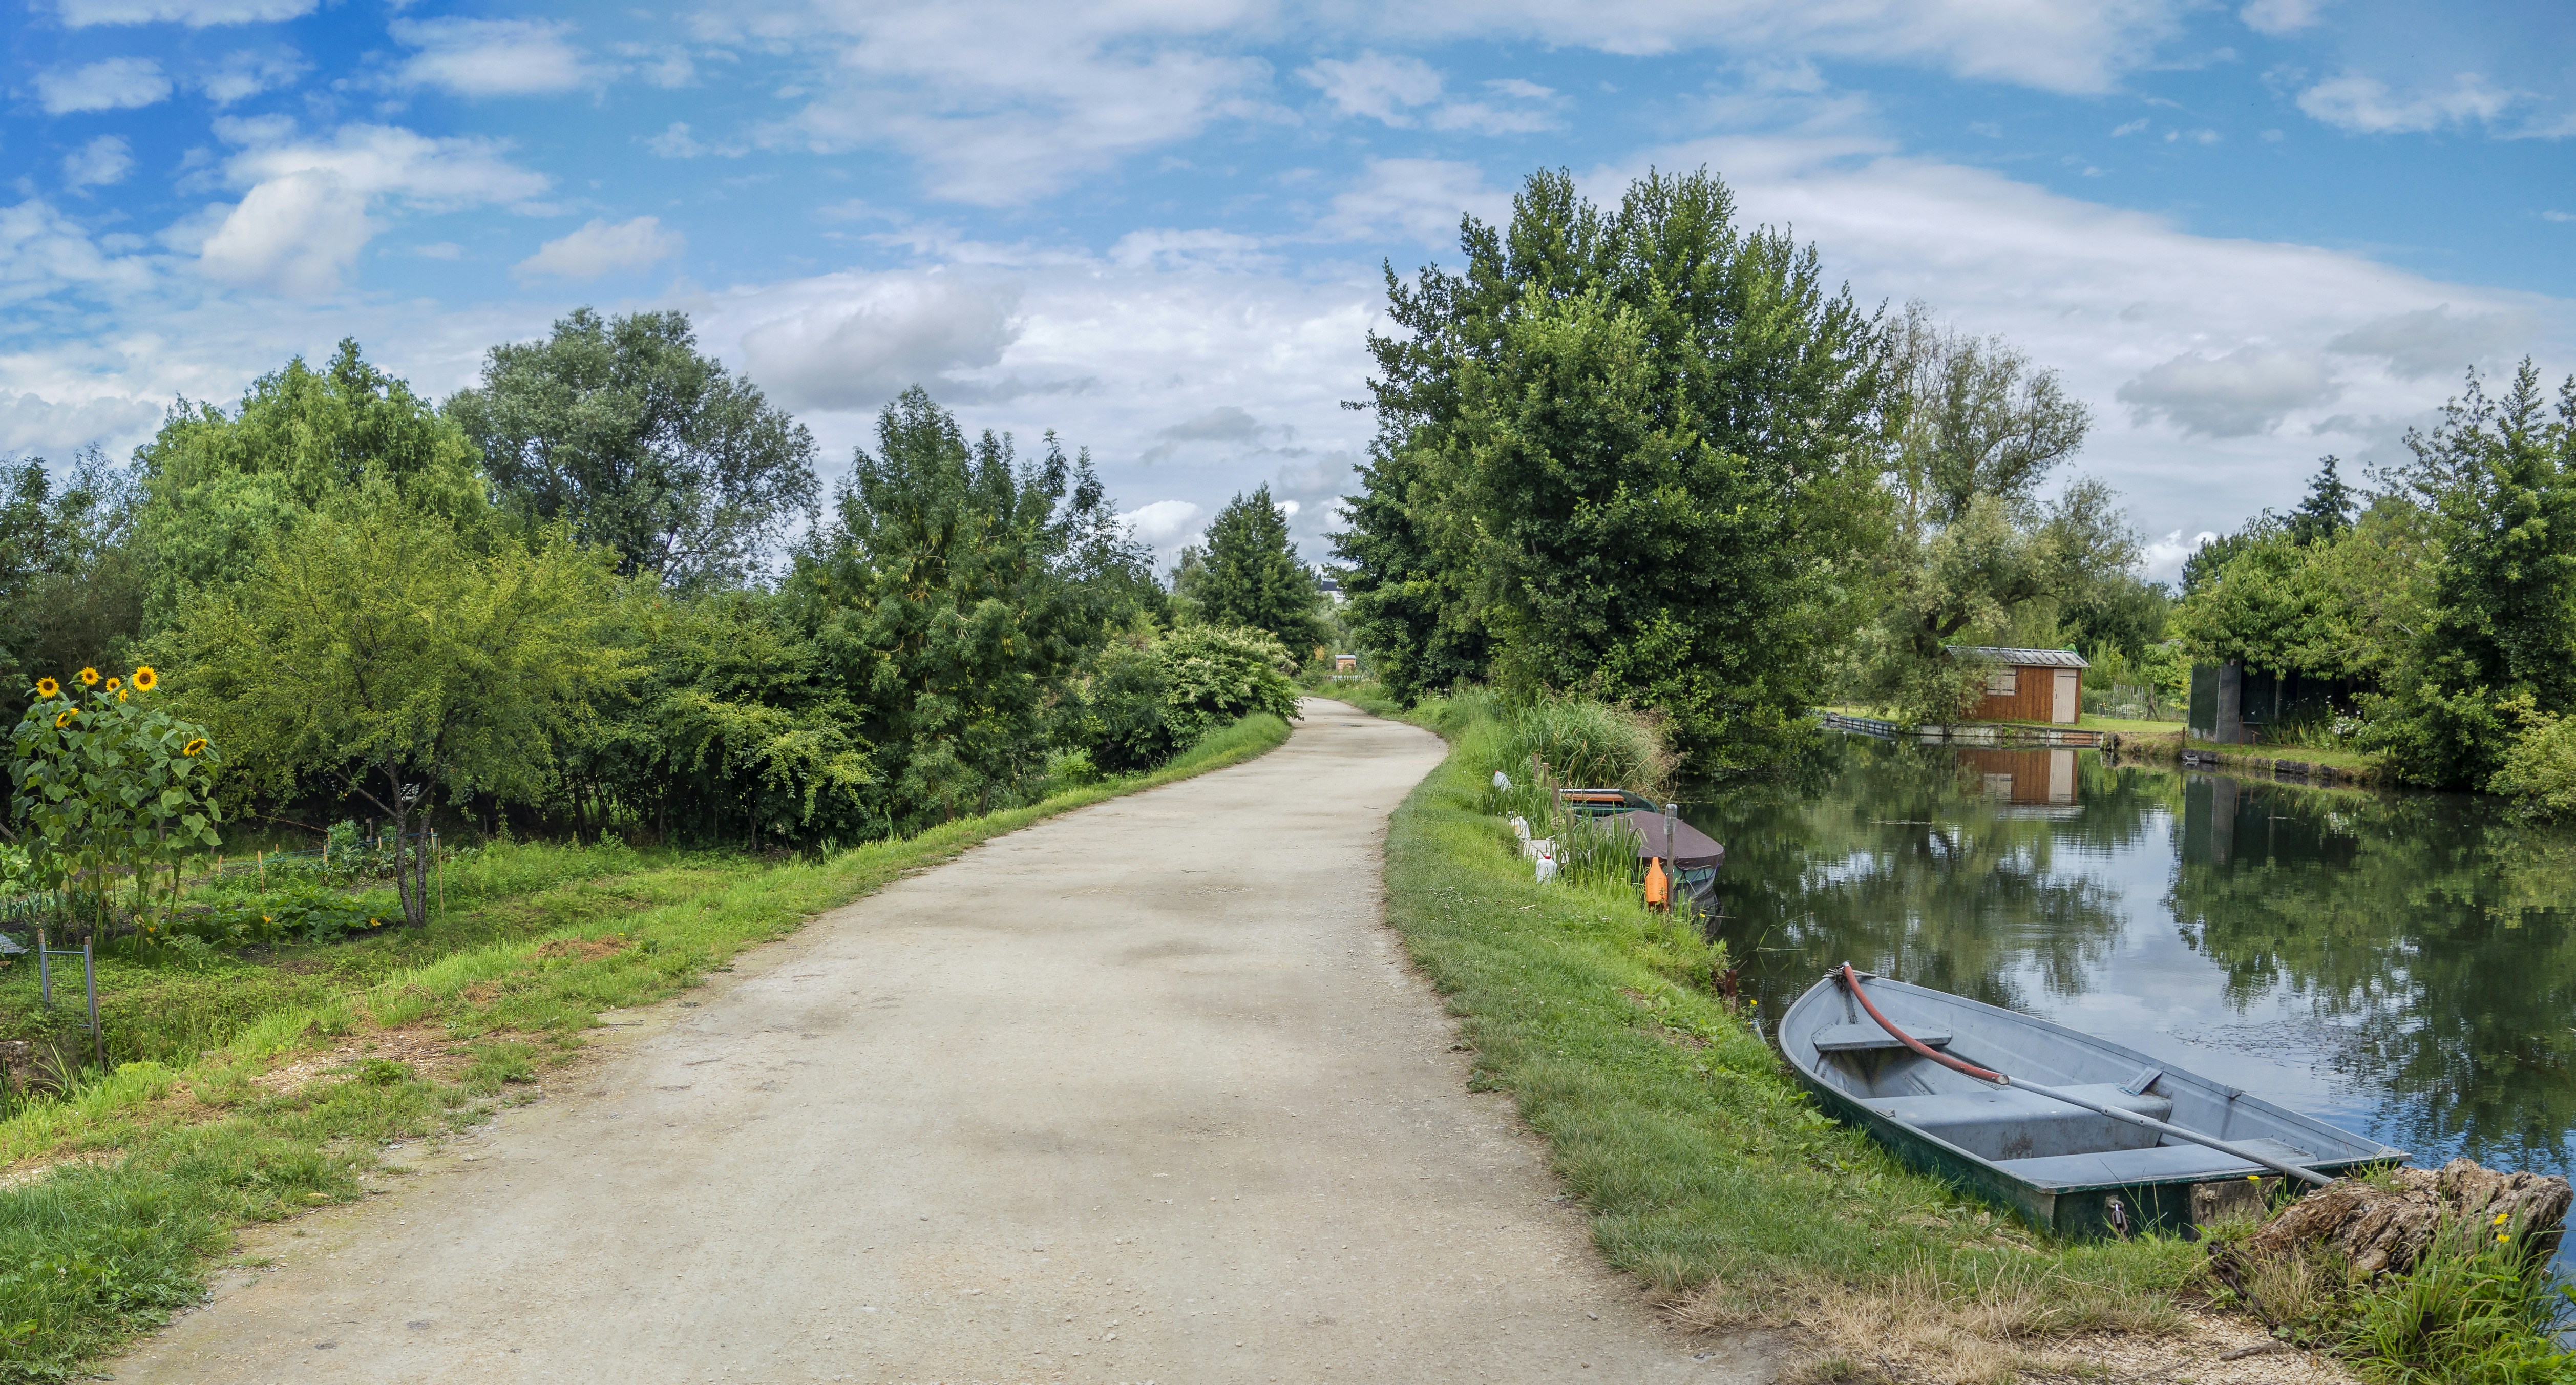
(1213, 675)
(1127, 726)
(2539, 770)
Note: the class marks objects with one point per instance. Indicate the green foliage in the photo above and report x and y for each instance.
(2474, 1312)
(220, 489)
(2496, 482)
(1588, 745)
(1586, 460)
(1213, 676)
(70, 587)
(108, 784)
(1124, 716)
(622, 430)
(1250, 576)
(2327, 509)
(953, 595)
(2539, 768)
(371, 647)
(1978, 557)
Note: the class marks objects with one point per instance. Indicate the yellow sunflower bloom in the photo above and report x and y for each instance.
(192, 747)
(120, 697)
(115, 683)
(64, 719)
(89, 677)
(146, 679)
(47, 687)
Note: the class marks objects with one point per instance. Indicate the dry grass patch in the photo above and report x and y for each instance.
(585, 949)
(427, 1049)
(1919, 1327)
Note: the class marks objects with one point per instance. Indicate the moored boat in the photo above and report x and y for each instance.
(1695, 855)
(2063, 1166)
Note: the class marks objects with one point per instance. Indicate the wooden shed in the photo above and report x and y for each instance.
(2028, 684)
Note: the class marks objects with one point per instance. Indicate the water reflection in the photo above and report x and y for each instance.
(2401, 966)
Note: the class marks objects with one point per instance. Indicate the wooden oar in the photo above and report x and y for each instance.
(1851, 979)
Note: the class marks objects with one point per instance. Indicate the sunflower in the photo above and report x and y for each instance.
(115, 683)
(63, 719)
(192, 747)
(120, 697)
(89, 677)
(47, 687)
(146, 679)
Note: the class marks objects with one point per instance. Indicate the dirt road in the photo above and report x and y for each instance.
(1146, 1092)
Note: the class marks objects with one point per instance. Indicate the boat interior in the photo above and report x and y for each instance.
(2037, 1138)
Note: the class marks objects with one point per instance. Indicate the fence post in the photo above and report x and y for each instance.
(89, 984)
(44, 971)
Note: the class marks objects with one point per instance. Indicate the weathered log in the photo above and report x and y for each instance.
(2387, 1229)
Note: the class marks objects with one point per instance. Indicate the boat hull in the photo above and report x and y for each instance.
(1818, 1029)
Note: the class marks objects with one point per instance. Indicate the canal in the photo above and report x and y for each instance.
(2399, 965)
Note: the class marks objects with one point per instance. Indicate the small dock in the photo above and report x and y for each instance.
(1972, 733)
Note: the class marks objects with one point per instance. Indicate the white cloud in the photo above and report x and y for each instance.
(1164, 523)
(1376, 86)
(2131, 128)
(33, 423)
(243, 75)
(118, 84)
(871, 336)
(2431, 342)
(196, 14)
(1170, 248)
(305, 218)
(2278, 17)
(297, 233)
(44, 253)
(2164, 557)
(599, 248)
(1421, 200)
(1003, 103)
(490, 57)
(1396, 90)
(100, 162)
(2248, 391)
(2363, 104)
(680, 142)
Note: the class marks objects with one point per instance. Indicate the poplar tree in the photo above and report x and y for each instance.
(1249, 576)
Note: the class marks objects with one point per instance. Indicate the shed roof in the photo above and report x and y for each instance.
(2022, 658)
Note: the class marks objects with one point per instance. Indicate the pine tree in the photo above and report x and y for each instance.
(1250, 576)
(2327, 511)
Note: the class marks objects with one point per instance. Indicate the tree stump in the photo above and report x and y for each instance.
(2387, 1230)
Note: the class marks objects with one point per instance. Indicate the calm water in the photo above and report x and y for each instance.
(2402, 966)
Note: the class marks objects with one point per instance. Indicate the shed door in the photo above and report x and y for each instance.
(2070, 696)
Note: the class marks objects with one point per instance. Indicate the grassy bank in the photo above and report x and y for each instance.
(277, 1081)
(1705, 1171)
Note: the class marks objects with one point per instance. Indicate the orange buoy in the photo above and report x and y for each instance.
(1659, 887)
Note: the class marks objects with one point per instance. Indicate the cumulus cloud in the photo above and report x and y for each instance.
(2363, 104)
(872, 336)
(305, 218)
(1166, 524)
(297, 233)
(98, 163)
(32, 423)
(44, 253)
(1418, 199)
(2245, 392)
(2431, 342)
(118, 84)
(2164, 557)
(599, 248)
(490, 57)
(196, 14)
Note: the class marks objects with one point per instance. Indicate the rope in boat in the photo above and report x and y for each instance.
(1851, 980)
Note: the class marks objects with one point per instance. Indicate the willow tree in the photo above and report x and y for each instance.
(1632, 451)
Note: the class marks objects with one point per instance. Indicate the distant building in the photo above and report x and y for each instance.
(2235, 705)
(1346, 663)
(2028, 684)
(1332, 586)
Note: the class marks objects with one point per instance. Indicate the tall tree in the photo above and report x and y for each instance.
(1978, 554)
(621, 428)
(369, 647)
(954, 591)
(219, 488)
(71, 589)
(1633, 448)
(2496, 480)
(1250, 576)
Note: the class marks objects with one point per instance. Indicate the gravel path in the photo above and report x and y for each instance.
(1145, 1092)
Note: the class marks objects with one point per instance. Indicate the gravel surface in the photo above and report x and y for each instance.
(1145, 1092)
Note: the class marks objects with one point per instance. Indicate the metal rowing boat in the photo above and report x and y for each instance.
(2079, 1170)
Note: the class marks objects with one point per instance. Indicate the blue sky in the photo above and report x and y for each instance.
(2247, 234)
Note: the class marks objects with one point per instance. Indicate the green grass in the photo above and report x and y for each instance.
(167, 1155)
